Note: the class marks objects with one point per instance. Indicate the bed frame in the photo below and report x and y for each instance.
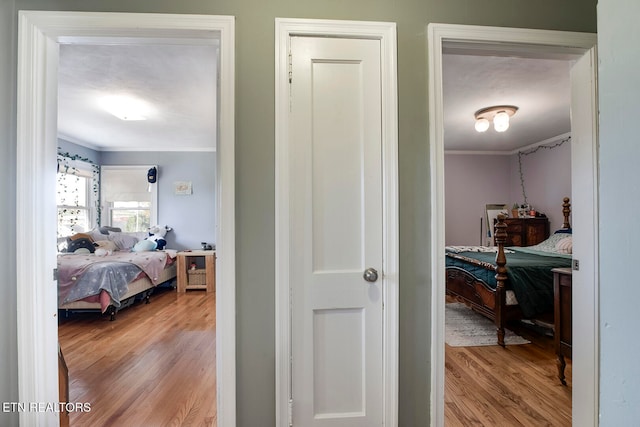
(481, 298)
(139, 289)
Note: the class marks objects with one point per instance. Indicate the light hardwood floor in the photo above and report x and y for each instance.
(512, 386)
(153, 366)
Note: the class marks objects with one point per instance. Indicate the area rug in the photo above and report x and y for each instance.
(466, 328)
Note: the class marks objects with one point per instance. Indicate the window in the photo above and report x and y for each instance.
(128, 200)
(76, 195)
(130, 216)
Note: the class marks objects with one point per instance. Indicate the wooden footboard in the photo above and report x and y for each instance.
(481, 298)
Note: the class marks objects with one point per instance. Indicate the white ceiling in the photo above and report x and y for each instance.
(179, 82)
(540, 88)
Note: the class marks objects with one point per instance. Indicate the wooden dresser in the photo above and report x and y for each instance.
(526, 231)
(562, 317)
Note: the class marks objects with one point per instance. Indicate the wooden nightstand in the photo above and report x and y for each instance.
(562, 317)
(198, 278)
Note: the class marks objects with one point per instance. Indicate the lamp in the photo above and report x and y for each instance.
(499, 114)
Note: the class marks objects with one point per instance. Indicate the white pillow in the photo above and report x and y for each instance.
(105, 244)
(123, 241)
(96, 235)
(565, 246)
(549, 245)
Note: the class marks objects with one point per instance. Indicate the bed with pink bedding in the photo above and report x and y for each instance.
(109, 283)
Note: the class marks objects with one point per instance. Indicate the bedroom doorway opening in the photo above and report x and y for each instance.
(580, 49)
(40, 36)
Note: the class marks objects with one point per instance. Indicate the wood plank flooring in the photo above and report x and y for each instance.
(153, 366)
(512, 386)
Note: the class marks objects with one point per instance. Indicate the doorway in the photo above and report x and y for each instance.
(521, 42)
(40, 36)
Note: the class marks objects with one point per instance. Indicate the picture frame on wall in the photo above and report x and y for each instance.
(182, 188)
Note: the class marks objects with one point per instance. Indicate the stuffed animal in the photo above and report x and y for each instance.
(157, 233)
(80, 245)
(155, 239)
(144, 245)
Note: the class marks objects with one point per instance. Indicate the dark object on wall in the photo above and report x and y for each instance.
(152, 175)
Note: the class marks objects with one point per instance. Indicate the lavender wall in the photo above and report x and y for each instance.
(472, 181)
(547, 179)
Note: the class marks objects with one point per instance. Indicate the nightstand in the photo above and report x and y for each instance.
(196, 277)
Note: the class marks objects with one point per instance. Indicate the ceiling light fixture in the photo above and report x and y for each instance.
(499, 114)
(126, 107)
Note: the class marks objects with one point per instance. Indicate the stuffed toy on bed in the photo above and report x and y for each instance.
(155, 239)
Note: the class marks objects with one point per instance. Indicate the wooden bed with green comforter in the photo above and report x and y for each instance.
(506, 284)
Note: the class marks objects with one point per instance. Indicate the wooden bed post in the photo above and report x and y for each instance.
(566, 211)
(501, 277)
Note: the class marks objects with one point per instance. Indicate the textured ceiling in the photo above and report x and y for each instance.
(540, 88)
(178, 81)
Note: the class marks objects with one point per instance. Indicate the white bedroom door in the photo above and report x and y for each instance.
(336, 232)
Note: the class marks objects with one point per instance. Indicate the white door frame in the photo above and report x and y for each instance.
(568, 44)
(39, 36)
(386, 33)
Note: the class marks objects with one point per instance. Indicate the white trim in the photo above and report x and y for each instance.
(585, 197)
(531, 42)
(39, 36)
(386, 33)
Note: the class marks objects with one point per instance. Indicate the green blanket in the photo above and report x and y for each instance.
(529, 273)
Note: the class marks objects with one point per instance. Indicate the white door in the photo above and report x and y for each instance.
(336, 232)
(584, 199)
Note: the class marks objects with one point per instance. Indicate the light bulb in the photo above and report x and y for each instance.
(501, 121)
(482, 125)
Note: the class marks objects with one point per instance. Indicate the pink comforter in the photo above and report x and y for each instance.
(72, 266)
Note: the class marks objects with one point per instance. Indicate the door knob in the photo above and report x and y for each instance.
(370, 275)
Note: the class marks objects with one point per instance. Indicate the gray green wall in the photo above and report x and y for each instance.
(8, 315)
(619, 91)
(255, 167)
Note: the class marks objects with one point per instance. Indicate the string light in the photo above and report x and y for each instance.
(534, 150)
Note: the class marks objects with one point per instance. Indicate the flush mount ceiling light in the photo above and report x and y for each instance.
(499, 114)
(126, 107)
